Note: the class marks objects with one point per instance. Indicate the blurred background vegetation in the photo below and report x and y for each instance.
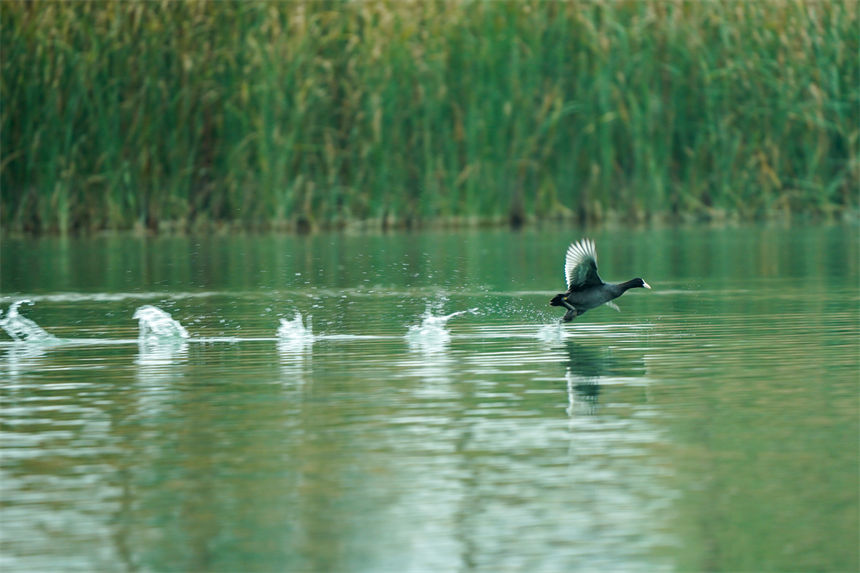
(307, 115)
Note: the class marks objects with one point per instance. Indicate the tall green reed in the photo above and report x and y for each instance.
(320, 114)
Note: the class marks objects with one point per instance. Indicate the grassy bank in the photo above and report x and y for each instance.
(317, 114)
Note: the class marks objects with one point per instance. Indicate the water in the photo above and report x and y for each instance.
(410, 403)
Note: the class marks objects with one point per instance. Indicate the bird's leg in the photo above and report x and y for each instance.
(558, 300)
(571, 311)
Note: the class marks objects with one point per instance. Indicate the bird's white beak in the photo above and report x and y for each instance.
(646, 285)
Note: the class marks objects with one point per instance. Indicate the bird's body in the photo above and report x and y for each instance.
(585, 288)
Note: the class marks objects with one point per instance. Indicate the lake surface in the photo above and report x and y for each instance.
(711, 424)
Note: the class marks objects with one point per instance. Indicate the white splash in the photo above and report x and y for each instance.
(23, 329)
(294, 334)
(157, 325)
(432, 333)
(551, 333)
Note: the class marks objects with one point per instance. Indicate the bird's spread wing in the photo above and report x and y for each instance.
(580, 265)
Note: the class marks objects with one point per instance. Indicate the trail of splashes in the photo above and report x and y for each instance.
(23, 329)
(157, 325)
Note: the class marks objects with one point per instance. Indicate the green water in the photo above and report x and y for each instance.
(712, 424)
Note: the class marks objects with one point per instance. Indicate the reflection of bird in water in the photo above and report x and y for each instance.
(585, 288)
(586, 366)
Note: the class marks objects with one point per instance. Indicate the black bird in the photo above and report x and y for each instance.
(585, 288)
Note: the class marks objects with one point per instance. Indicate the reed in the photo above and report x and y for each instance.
(115, 115)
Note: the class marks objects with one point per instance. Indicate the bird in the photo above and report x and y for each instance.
(585, 288)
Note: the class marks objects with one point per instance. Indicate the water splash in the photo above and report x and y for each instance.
(157, 325)
(23, 329)
(432, 333)
(294, 344)
(551, 333)
(294, 334)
